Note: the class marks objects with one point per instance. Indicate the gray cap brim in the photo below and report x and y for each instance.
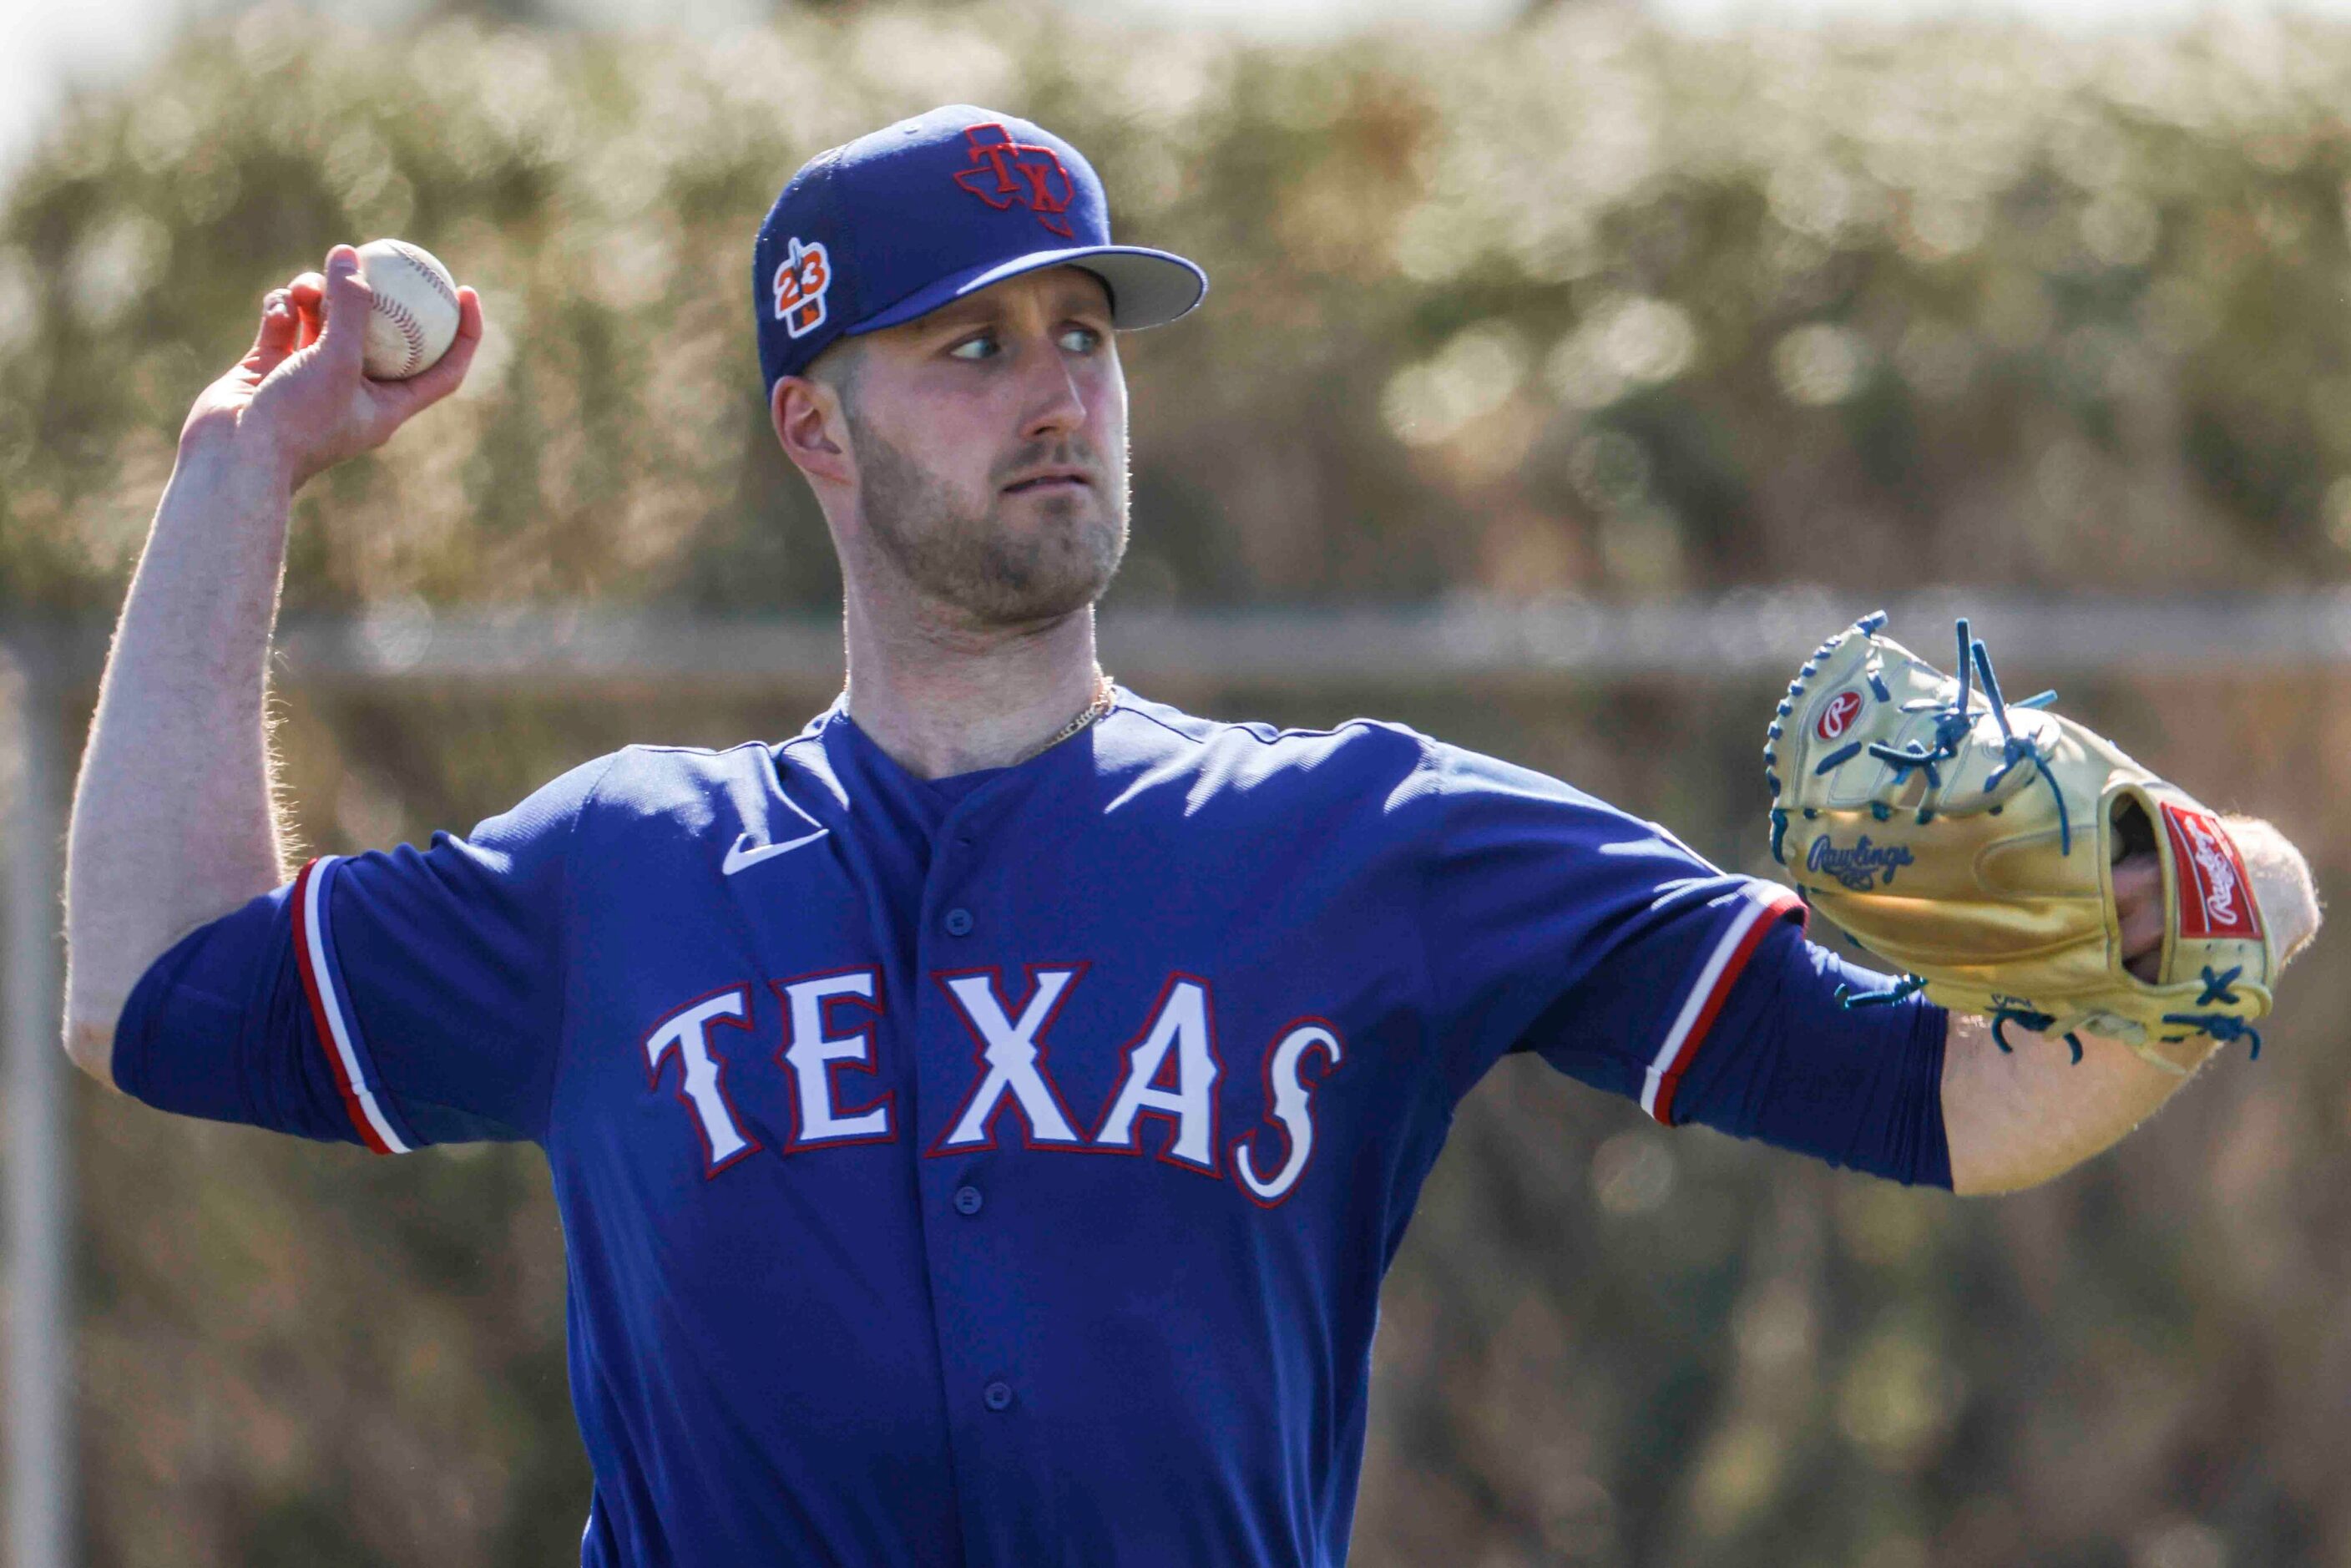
(1148, 288)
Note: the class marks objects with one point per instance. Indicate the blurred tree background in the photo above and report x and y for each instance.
(1585, 306)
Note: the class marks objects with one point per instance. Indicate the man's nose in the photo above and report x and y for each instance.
(1056, 402)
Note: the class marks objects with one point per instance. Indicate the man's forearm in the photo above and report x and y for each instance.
(2016, 1119)
(172, 818)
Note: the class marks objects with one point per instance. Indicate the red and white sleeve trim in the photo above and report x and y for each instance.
(1764, 905)
(329, 1013)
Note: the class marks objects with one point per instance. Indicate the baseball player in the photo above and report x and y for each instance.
(980, 1123)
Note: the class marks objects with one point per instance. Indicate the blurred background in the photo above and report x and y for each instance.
(1552, 316)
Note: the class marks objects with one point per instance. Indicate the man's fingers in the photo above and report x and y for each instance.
(2138, 902)
(279, 335)
(348, 301)
(307, 296)
(2143, 935)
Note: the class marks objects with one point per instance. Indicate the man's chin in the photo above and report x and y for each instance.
(1016, 586)
(1000, 606)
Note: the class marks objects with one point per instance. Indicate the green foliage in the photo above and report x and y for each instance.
(1581, 307)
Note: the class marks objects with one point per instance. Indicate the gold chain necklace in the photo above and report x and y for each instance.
(1104, 699)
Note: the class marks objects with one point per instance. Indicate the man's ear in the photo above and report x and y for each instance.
(811, 428)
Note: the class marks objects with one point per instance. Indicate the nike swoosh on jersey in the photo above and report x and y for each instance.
(744, 852)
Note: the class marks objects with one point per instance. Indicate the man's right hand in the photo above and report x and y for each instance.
(298, 401)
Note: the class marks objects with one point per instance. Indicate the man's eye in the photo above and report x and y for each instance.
(1080, 341)
(980, 348)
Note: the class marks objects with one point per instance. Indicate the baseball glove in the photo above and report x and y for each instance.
(1969, 841)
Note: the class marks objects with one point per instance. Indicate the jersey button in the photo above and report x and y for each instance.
(997, 1396)
(968, 1200)
(959, 922)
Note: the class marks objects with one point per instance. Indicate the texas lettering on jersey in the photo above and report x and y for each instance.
(828, 1025)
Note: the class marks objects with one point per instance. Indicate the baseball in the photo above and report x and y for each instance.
(416, 316)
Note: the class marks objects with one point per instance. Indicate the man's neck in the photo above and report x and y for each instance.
(944, 700)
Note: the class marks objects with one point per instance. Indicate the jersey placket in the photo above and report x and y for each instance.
(990, 1420)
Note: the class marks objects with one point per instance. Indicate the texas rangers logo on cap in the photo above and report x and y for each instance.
(1022, 171)
(885, 229)
(801, 279)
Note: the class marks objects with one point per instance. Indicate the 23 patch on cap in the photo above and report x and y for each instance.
(801, 279)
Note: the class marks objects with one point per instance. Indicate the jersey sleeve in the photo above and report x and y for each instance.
(1559, 924)
(393, 999)
(1857, 1087)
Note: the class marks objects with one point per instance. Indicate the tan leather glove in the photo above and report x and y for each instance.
(1969, 842)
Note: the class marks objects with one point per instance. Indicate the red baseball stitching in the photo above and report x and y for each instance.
(416, 258)
(405, 320)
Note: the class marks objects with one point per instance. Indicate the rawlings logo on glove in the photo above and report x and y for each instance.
(2217, 901)
(2004, 821)
(1859, 867)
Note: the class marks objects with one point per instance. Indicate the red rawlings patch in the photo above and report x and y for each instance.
(1838, 715)
(2216, 897)
(1005, 172)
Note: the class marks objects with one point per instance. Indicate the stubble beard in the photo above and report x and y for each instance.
(994, 571)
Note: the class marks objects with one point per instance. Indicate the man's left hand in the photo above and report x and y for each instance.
(2139, 904)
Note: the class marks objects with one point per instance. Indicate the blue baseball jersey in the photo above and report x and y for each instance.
(1001, 1169)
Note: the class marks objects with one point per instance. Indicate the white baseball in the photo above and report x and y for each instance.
(416, 316)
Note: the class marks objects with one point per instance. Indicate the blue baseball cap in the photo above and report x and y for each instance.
(896, 224)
